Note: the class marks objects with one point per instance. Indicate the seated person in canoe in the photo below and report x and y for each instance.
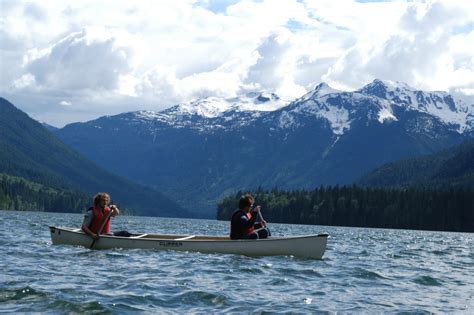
(97, 219)
(244, 225)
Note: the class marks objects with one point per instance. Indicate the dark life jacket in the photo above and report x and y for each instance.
(240, 228)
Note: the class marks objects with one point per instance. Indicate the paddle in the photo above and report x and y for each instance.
(102, 227)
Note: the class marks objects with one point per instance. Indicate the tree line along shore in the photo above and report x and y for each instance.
(449, 209)
(399, 208)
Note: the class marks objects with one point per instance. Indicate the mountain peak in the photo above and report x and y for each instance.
(321, 85)
(261, 97)
(380, 88)
(377, 88)
(438, 104)
(323, 88)
(210, 107)
(319, 90)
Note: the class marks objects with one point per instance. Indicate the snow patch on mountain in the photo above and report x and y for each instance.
(212, 107)
(338, 119)
(378, 100)
(321, 89)
(287, 121)
(337, 116)
(386, 114)
(209, 113)
(208, 107)
(450, 111)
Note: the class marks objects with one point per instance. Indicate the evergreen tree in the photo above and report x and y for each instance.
(405, 208)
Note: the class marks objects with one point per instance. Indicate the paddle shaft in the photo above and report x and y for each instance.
(102, 227)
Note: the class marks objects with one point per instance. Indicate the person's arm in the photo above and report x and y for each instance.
(260, 221)
(85, 224)
(115, 210)
(86, 230)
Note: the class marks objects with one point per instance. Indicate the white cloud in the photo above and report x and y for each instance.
(419, 52)
(110, 56)
(65, 103)
(24, 81)
(89, 59)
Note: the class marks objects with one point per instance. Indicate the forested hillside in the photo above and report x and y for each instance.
(17, 193)
(450, 168)
(425, 209)
(30, 151)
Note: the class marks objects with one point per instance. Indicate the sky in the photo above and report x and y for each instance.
(76, 60)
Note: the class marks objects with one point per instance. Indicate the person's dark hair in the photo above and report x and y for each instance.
(245, 201)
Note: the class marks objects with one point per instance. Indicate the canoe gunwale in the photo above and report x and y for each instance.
(311, 246)
(189, 238)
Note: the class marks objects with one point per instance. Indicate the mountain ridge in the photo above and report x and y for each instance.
(386, 93)
(326, 137)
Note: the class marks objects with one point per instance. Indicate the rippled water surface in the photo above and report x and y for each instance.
(363, 270)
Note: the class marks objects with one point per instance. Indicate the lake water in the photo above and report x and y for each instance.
(373, 270)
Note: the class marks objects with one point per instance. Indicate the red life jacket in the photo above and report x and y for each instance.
(98, 220)
(252, 228)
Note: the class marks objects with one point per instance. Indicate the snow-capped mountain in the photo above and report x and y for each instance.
(380, 100)
(452, 112)
(211, 112)
(202, 150)
(321, 89)
(212, 107)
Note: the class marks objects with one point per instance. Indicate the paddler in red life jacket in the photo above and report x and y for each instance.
(96, 215)
(244, 225)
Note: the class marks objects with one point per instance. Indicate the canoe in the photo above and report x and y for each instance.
(311, 246)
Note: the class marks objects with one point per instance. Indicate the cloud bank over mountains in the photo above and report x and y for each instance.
(70, 61)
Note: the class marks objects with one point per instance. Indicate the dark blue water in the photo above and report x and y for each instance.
(363, 270)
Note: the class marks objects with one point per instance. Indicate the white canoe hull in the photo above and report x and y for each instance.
(311, 246)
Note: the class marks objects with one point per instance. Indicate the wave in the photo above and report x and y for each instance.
(428, 281)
